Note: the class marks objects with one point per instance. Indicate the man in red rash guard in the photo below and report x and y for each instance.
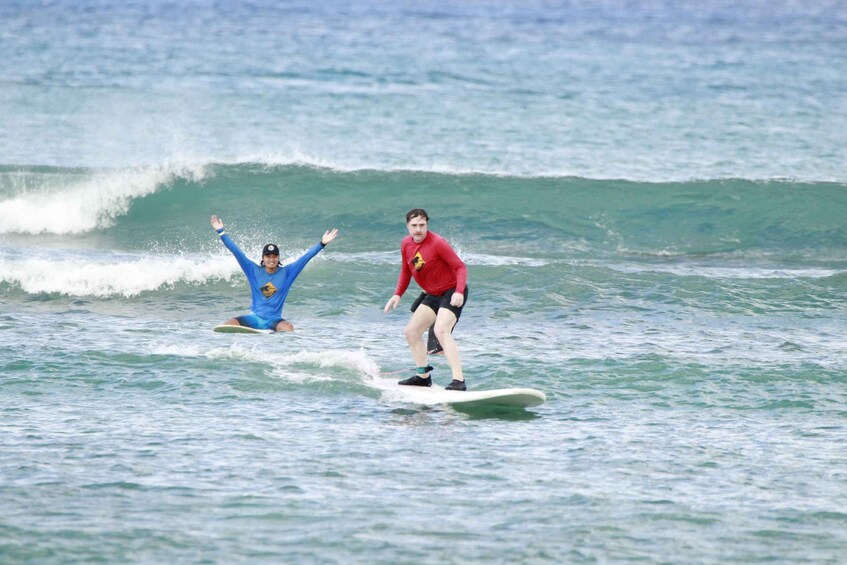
(429, 259)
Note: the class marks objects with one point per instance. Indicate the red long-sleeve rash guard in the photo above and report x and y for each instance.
(434, 265)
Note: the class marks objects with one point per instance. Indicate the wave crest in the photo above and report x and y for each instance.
(74, 202)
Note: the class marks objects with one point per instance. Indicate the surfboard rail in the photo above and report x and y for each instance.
(228, 329)
(513, 397)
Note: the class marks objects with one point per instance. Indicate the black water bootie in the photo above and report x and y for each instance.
(416, 381)
(456, 385)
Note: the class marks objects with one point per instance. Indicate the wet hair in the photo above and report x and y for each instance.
(416, 212)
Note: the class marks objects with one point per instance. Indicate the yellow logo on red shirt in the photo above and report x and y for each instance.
(268, 290)
(418, 261)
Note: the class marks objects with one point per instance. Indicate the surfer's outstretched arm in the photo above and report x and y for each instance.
(246, 264)
(294, 268)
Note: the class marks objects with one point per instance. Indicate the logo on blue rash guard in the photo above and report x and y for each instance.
(268, 290)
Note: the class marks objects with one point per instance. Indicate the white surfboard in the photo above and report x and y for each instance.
(513, 397)
(226, 329)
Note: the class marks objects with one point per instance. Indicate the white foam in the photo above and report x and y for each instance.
(178, 349)
(696, 270)
(357, 163)
(393, 258)
(501, 260)
(117, 274)
(92, 202)
(123, 277)
(357, 361)
(291, 367)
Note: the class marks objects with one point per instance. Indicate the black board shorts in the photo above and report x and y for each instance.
(437, 301)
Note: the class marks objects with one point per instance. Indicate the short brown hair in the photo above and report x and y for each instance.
(416, 212)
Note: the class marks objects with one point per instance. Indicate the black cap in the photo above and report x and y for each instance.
(270, 249)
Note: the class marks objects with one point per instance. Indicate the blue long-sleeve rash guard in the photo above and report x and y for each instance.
(269, 291)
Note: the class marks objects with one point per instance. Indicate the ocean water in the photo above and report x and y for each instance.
(650, 198)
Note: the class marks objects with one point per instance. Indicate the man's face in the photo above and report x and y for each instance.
(417, 228)
(271, 262)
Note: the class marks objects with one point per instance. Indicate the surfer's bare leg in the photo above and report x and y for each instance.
(285, 326)
(420, 321)
(444, 323)
(231, 322)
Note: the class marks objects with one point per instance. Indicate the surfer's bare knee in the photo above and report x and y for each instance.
(232, 322)
(285, 326)
(412, 333)
(444, 325)
(422, 319)
(442, 333)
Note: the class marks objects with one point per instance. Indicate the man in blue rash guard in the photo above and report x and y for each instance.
(269, 283)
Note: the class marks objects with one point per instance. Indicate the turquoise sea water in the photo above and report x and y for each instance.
(650, 198)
